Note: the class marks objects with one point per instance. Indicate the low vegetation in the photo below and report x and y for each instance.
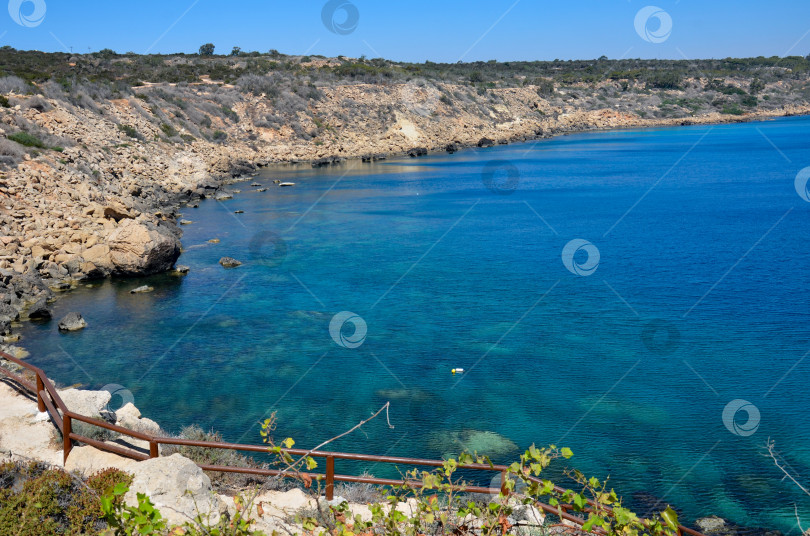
(37, 500)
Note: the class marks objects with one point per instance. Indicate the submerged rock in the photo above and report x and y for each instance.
(72, 322)
(142, 289)
(229, 262)
(483, 442)
(417, 151)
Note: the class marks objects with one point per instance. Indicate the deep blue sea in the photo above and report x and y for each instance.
(686, 288)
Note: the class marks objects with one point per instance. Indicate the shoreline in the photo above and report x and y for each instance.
(238, 169)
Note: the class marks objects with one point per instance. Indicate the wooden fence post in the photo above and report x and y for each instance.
(67, 430)
(330, 478)
(40, 388)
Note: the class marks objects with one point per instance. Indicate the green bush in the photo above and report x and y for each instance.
(129, 130)
(24, 138)
(749, 100)
(4, 102)
(169, 130)
(219, 135)
(732, 109)
(36, 500)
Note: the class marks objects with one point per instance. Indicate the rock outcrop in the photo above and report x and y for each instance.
(72, 322)
(177, 487)
(142, 248)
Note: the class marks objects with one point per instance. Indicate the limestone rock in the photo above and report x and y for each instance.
(142, 249)
(72, 322)
(99, 257)
(130, 417)
(87, 460)
(177, 487)
(87, 403)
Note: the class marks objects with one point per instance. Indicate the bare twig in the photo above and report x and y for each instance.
(347, 432)
(771, 446)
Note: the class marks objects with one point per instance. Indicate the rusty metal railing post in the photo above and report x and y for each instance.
(153, 450)
(40, 388)
(330, 478)
(504, 489)
(68, 429)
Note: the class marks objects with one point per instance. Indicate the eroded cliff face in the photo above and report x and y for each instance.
(105, 201)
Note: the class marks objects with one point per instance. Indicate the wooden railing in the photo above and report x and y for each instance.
(48, 399)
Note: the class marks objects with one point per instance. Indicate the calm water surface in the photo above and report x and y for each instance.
(700, 298)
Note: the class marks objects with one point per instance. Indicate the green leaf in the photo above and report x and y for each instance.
(671, 517)
(566, 452)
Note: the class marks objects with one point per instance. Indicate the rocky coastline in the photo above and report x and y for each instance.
(106, 204)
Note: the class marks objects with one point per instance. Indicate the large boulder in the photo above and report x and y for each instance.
(177, 487)
(142, 248)
(87, 403)
(97, 257)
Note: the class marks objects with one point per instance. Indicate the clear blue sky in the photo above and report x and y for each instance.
(418, 30)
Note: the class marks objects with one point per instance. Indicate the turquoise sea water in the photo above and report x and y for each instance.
(700, 298)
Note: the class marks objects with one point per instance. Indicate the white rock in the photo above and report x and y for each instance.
(177, 487)
(130, 417)
(87, 403)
